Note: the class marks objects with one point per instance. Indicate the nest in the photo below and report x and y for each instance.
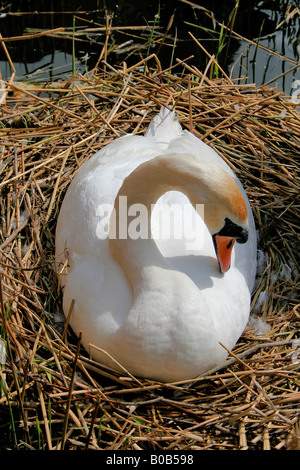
(53, 396)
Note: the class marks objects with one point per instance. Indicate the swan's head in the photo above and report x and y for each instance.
(227, 220)
(225, 239)
(205, 184)
(225, 210)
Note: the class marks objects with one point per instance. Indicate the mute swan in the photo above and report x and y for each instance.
(157, 302)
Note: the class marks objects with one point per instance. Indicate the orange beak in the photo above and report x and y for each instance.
(223, 247)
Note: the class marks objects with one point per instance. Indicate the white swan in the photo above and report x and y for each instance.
(158, 306)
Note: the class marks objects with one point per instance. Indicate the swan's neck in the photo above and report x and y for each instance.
(138, 195)
(131, 217)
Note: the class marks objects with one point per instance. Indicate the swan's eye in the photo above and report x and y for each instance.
(233, 230)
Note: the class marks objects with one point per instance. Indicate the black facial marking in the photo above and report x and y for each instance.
(233, 230)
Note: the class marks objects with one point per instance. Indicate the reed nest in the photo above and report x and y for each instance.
(53, 396)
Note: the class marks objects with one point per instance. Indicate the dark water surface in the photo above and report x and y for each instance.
(275, 23)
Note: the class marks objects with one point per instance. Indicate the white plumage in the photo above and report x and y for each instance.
(158, 308)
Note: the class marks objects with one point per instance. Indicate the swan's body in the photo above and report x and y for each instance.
(159, 309)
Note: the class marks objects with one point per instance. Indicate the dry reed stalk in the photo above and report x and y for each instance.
(251, 401)
(31, 36)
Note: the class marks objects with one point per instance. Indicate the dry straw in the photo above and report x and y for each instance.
(53, 396)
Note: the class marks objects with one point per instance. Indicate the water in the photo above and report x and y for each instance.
(52, 57)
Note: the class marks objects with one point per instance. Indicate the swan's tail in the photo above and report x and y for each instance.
(164, 127)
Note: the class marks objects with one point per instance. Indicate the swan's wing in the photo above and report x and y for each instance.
(92, 193)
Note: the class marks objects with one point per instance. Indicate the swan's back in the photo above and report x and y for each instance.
(164, 127)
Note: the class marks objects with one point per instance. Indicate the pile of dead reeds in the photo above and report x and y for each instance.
(52, 395)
